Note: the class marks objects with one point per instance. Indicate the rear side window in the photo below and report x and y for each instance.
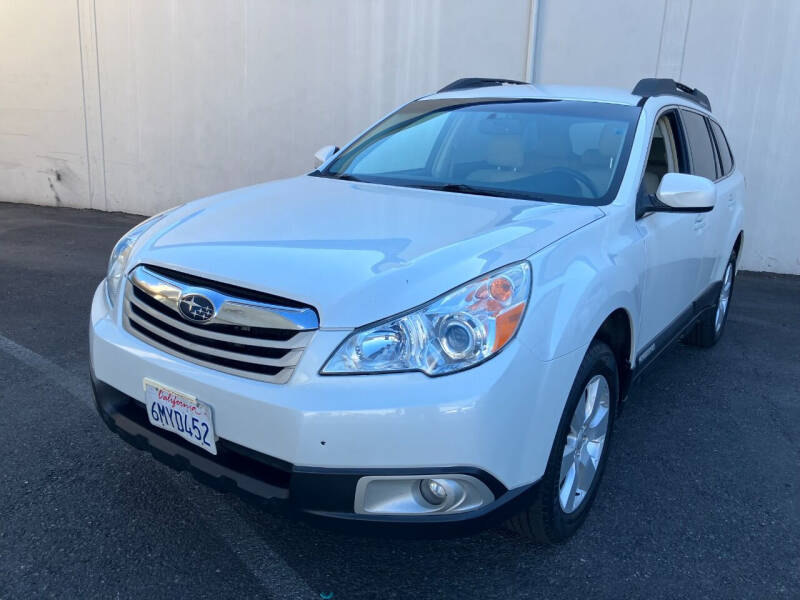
(700, 146)
(725, 154)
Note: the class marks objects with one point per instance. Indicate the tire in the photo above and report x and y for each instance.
(547, 520)
(709, 328)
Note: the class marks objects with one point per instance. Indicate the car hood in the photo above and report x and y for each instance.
(357, 252)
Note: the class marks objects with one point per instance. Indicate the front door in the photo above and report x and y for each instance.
(673, 243)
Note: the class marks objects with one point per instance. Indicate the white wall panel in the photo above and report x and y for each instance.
(742, 53)
(585, 42)
(138, 105)
(200, 96)
(747, 62)
(42, 133)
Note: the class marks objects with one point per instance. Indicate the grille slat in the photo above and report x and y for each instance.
(238, 330)
(298, 340)
(290, 359)
(227, 343)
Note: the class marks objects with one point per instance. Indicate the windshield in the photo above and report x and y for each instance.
(551, 150)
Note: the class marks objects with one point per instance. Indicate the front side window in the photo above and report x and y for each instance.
(550, 150)
(664, 156)
(700, 145)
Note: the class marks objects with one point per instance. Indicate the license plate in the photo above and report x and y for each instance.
(180, 413)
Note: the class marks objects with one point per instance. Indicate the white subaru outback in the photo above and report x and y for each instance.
(434, 330)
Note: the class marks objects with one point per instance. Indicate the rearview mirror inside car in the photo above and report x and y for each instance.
(679, 192)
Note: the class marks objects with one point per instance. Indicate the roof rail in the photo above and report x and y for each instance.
(647, 88)
(478, 82)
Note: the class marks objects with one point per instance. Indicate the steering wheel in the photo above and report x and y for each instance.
(577, 176)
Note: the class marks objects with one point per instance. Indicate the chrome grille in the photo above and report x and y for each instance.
(250, 334)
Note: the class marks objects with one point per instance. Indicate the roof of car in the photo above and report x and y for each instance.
(487, 87)
(528, 90)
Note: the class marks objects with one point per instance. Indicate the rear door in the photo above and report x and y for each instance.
(704, 162)
(730, 192)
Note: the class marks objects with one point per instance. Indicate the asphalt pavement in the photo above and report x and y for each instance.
(701, 495)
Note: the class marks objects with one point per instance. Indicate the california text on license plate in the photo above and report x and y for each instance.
(180, 413)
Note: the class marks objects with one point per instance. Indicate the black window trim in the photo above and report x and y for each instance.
(719, 150)
(717, 159)
(711, 139)
(611, 194)
(681, 142)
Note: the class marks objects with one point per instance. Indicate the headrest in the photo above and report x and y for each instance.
(610, 139)
(505, 151)
(495, 125)
(553, 141)
(658, 152)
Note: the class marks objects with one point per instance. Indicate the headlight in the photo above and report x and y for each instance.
(120, 254)
(452, 332)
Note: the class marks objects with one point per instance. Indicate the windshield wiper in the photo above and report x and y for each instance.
(458, 188)
(462, 188)
(348, 178)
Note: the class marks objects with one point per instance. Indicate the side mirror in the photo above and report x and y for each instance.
(322, 155)
(679, 192)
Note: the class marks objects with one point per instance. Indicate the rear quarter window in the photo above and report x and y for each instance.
(725, 154)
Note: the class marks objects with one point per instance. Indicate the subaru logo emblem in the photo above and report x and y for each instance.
(196, 307)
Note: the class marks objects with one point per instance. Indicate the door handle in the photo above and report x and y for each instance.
(699, 223)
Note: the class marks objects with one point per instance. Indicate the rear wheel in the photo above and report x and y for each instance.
(709, 328)
(578, 457)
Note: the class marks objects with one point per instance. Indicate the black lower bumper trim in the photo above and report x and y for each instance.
(322, 495)
(225, 471)
(429, 526)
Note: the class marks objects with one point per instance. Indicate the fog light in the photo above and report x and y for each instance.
(429, 494)
(433, 491)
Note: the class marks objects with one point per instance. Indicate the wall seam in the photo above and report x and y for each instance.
(83, 96)
(685, 39)
(661, 39)
(100, 106)
(533, 26)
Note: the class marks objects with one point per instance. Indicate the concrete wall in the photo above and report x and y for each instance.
(138, 105)
(191, 97)
(742, 53)
(42, 128)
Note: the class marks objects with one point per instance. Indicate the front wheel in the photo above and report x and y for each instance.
(579, 453)
(709, 328)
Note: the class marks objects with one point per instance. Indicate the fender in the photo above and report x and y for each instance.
(577, 285)
(734, 215)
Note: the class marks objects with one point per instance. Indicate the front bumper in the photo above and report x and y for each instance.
(310, 440)
(323, 495)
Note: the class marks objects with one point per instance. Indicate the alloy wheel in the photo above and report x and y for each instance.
(584, 446)
(724, 298)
